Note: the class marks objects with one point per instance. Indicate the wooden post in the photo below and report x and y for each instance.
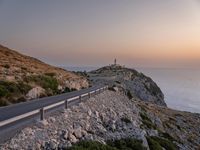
(42, 114)
(66, 104)
(80, 99)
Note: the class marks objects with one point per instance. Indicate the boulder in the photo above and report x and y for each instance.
(72, 138)
(78, 133)
(35, 92)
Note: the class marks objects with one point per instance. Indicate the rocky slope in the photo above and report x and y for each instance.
(112, 116)
(23, 77)
(129, 81)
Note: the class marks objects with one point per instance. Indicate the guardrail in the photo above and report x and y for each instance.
(42, 110)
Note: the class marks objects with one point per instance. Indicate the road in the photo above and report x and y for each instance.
(14, 110)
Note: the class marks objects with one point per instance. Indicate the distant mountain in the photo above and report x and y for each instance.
(24, 77)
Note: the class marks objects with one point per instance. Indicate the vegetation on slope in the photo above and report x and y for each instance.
(11, 92)
(20, 73)
(156, 143)
(122, 144)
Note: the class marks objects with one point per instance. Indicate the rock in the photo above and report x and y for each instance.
(51, 119)
(96, 114)
(52, 145)
(28, 131)
(60, 88)
(152, 132)
(78, 133)
(84, 133)
(89, 112)
(76, 125)
(65, 145)
(42, 123)
(66, 135)
(89, 137)
(72, 138)
(113, 127)
(35, 92)
(115, 89)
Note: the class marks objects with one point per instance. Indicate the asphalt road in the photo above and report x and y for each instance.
(21, 108)
(9, 130)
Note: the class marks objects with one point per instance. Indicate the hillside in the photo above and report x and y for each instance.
(24, 77)
(129, 82)
(112, 121)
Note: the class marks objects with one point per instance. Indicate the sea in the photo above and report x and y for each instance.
(181, 87)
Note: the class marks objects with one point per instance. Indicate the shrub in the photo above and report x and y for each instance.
(51, 74)
(3, 91)
(153, 145)
(167, 136)
(12, 92)
(164, 143)
(111, 89)
(67, 89)
(90, 145)
(3, 102)
(46, 82)
(129, 94)
(118, 82)
(9, 88)
(127, 144)
(123, 144)
(24, 68)
(146, 121)
(6, 66)
(126, 120)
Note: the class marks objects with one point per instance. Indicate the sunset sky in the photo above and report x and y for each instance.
(139, 33)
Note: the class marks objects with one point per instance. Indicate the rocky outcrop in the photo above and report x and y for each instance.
(109, 116)
(129, 81)
(180, 127)
(35, 92)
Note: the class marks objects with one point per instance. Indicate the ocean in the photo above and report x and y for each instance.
(181, 87)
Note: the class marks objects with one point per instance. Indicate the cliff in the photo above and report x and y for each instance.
(24, 77)
(129, 82)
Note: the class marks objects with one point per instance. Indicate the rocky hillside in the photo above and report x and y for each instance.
(130, 82)
(112, 121)
(23, 78)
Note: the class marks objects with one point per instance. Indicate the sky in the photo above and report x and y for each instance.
(139, 33)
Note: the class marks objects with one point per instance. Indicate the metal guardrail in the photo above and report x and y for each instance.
(42, 110)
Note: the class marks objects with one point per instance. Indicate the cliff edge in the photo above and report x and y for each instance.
(130, 82)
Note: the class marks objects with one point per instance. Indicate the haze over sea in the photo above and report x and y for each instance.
(181, 87)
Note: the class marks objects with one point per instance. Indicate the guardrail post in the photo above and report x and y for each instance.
(42, 114)
(66, 104)
(80, 99)
(89, 95)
